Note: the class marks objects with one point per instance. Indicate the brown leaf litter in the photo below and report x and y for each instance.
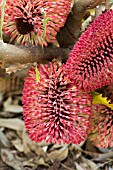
(18, 152)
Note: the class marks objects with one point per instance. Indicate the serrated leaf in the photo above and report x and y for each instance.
(92, 11)
(98, 99)
(37, 74)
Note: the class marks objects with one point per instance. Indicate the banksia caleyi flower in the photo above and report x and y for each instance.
(35, 21)
(90, 64)
(54, 110)
(101, 130)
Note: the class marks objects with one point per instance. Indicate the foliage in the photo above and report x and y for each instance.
(45, 21)
(98, 99)
(37, 74)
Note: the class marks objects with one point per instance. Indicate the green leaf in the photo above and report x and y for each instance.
(37, 74)
(98, 99)
(83, 20)
(2, 5)
(45, 21)
(92, 11)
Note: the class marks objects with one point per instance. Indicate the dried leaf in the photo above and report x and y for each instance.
(3, 139)
(11, 134)
(45, 148)
(10, 159)
(99, 10)
(30, 163)
(42, 144)
(15, 123)
(86, 23)
(34, 162)
(60, 154)
(14, 108)
(26, 140)
(16, 68)
(42, 162)
(18, 145)
(103, 157)
(57, 146)
(89, 164)
(29, 146)
(78, 167)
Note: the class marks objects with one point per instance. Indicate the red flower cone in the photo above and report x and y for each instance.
(90, 64)
(36, 21)
(54, 109)
(101, 131)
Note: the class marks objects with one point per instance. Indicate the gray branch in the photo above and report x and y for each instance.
(12, 54)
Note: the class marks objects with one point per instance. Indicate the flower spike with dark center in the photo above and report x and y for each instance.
(90, 64)
(54, 109)
(101, 130)
(35, 21)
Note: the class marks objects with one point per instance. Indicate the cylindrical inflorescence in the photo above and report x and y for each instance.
(90, 64)
(101, 130)
(54, 109)
(35, 21)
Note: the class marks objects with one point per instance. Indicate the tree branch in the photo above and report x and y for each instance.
(12, 54)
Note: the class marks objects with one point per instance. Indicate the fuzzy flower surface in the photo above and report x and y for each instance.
(90, 64)
(101, 131)
(54, 110)
(35, 21)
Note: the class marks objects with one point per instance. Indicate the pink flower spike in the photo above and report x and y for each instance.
(101, 131)
(28, 21)
(90, 64)
(54, 109)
